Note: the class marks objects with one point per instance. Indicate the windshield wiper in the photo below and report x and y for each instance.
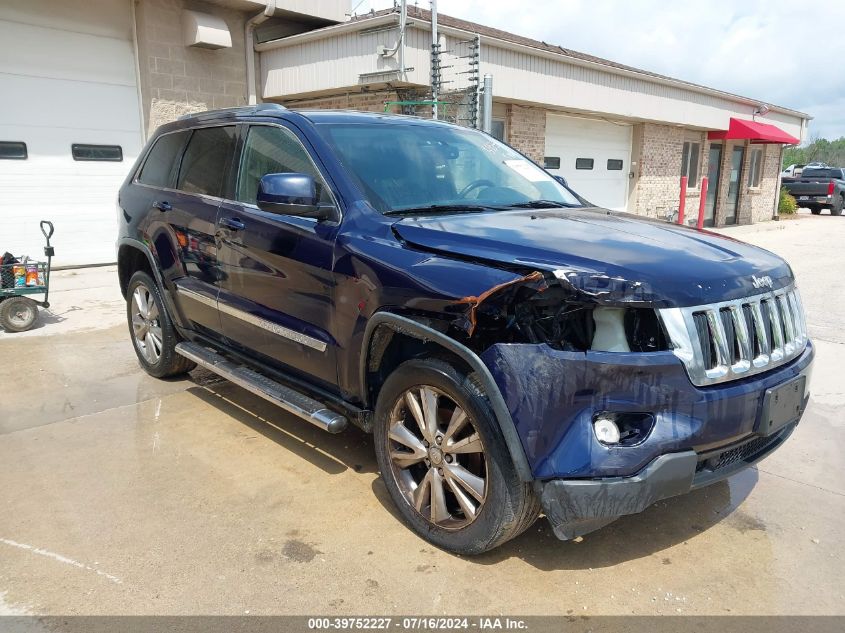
(542, 204)
(439, 208)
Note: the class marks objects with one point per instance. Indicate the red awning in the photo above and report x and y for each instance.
(755, 132)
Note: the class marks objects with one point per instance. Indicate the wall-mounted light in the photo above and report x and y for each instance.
(761, 110)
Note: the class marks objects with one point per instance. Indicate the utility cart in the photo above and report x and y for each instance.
(19, 282)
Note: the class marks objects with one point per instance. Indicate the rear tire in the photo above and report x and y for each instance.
(446, 466)
(836, 209)
(18, 314)
(815, 210)
(153, 335)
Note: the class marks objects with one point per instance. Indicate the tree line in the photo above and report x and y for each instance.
(818, 149)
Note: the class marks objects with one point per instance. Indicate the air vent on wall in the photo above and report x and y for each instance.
(203, 30)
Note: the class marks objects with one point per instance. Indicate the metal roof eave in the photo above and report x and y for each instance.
(367, 23)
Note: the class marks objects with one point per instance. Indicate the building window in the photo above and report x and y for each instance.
(13, 150)
(689, 162)
(614, 164)
(497, 129)
(583, 163)
(551, 162)
(756, 168)
(96, 152)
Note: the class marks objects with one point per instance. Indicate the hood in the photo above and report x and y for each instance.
(652, 261)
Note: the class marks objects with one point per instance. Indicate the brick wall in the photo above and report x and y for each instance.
(363, 101)
(176, 79)
(659, 171)
(763, 200)
(526, 128)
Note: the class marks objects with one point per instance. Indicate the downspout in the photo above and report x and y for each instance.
(435, 59)
(403, 24)
(138, 71)
(776, 214)
(249, 47)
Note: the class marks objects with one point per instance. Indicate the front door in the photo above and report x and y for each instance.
(731, 204)
(277, 285)
(713, 169)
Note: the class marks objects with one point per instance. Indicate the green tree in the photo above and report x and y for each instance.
(817, 149)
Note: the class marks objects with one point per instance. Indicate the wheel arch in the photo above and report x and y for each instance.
(383, 326)
(132, 256)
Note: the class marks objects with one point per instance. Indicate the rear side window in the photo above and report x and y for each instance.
(163, 160)
(206, 160)
(814, 172)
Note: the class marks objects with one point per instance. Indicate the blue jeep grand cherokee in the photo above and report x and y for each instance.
(511, 349)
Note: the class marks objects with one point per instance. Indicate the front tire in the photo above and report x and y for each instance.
(815, 210)
(153, 335)
(444, 462)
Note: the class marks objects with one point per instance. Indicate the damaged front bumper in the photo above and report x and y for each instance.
(576, 507)
(699, 435)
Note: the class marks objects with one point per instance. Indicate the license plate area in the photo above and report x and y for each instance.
(803, 197)
(781, 405)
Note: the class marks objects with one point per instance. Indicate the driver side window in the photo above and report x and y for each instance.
(273, 150)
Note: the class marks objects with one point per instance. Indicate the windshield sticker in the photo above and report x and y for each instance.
(528, 171)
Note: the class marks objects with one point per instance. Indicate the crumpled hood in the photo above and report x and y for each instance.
(651, 261)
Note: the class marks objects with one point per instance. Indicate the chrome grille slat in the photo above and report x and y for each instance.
(734, 339)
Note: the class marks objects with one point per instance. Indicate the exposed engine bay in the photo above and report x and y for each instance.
(539, 310)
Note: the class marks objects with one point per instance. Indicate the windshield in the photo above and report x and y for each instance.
(418, 167)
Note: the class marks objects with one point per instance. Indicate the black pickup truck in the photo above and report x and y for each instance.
(819, 188)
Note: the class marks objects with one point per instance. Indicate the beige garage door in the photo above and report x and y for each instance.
(593, 156)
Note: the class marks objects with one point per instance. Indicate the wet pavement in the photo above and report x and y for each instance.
(122, 494)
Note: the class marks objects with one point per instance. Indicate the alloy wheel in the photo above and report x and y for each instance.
(437, 457)
(146, 327)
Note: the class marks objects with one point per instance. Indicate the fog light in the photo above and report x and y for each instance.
(606, 430)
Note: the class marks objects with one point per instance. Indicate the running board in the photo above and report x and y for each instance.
(288, 399)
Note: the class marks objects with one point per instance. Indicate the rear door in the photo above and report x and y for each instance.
(189, 213)
(277, 285)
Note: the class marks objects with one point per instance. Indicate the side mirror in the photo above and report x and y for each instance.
(292, 194)
(561, 180)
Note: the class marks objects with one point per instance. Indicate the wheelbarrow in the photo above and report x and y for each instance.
(19, 282)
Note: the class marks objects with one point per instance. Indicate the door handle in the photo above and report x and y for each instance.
(162, 205)
(232, 223)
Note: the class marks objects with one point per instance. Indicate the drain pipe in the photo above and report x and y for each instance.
(249, 46)
(435, 60)
(487, 109)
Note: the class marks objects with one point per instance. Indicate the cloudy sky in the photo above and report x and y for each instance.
(769, 50)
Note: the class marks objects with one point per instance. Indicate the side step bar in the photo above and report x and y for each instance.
(291, 401)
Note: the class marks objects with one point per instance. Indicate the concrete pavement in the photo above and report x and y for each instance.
(122, 494)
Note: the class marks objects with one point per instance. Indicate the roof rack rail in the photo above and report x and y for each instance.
(254, 109)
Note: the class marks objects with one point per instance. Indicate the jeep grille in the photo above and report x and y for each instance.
(735, 339)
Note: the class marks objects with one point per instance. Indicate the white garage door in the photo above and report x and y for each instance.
(67, 78)
(593, 156)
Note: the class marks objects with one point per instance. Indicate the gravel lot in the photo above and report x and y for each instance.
(127, 495)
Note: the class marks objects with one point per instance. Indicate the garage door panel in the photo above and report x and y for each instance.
(570, 138)
(73, 81)
(40, 102)
(65, 54)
